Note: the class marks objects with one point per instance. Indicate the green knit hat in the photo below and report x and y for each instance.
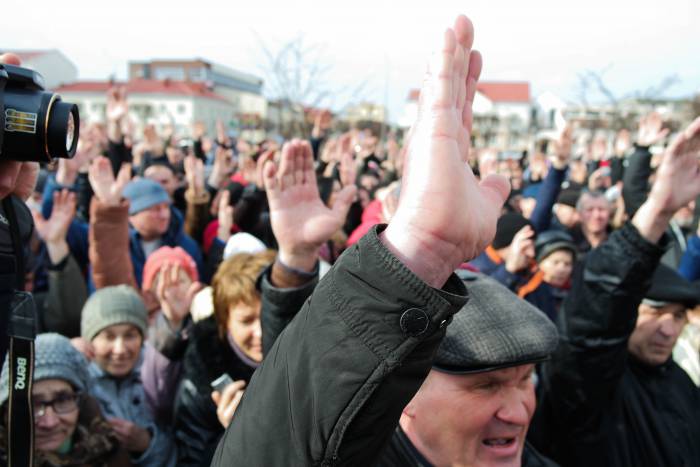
(120, 304)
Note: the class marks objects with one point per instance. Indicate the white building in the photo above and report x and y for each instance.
(51, 64)
(242, 90)
(167, 102)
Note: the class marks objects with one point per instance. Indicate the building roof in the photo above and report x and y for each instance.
(495, 91)
(144, 86)
(26, 55)
(505, 91)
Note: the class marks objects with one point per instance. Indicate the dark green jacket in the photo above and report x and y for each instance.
(332, 388)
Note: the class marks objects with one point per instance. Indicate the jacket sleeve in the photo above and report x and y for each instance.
(162, 452)
(160, 375)
(636, 179)
(67, 295)
(109, 245)
(541, 217)
(279, 306)
(197, 215)
(197, 429)
(333, 386)
(596, 321)
(690, 262)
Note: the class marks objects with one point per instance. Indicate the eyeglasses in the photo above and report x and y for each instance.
(63, 403)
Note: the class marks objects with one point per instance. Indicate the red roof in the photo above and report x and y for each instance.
(144, 86)
(505, 91)
(25, 55)
(495, 91)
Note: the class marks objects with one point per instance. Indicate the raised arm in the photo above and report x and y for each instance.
(331, 390)
(600, 312)
(109, 226)
(301, 224)
(636, 177)
(541, 217)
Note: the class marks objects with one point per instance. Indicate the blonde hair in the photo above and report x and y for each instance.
(234, 283)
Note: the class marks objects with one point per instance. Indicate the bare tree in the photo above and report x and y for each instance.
(592, 84)
(297, 78)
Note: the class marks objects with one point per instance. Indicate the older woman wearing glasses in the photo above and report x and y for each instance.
(69, 429)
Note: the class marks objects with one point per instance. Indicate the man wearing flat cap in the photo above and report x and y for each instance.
(475, 406)
(368, 351)
(611, 394)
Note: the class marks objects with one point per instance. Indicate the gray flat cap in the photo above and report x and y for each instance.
(494, 330)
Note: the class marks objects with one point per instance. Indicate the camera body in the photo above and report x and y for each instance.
(35, 125)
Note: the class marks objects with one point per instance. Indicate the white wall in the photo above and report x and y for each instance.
(54, 67)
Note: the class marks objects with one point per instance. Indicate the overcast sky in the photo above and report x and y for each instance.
(385, 44)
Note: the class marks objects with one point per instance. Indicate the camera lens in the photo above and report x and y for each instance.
(62, 131)
(70, 132)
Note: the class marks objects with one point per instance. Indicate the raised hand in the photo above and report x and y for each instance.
(348, 169)
(300, 221)
(445, 216)
(223, 166)
(522, 250)
(175, 292)
(562, 148)
(225, 217)
(651, 130)
(117, 107)
(677, 183)
(194, 174)
(54, 229)
(623, 142)
(107, 189)
(260, 167)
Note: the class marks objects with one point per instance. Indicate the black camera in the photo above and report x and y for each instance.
(35, 125)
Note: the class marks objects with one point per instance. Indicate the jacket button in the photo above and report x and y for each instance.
(414, 322)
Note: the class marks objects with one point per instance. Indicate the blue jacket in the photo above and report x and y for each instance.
(77, 237)
(174, 236)
(125, 398)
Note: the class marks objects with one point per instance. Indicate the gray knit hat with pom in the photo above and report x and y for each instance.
(54, 358)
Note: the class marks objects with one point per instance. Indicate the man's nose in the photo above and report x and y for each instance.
(513, 409)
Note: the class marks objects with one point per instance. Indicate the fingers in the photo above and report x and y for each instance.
(9, 170)
(495, 188)
(10, 59)
(285, 175)
(270, 179)
(343, 201)
(441, 72)
(309, 176)
(473, 73)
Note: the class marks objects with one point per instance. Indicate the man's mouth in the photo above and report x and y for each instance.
(499, 442)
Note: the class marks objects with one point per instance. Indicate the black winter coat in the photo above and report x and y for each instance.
(197, 428)
(332, 388)
(598, 405)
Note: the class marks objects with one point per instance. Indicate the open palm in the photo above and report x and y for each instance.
(443, 207)
(300, 221)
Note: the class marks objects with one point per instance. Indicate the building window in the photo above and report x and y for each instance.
(198, 74)
(175, 73)
(181, 109)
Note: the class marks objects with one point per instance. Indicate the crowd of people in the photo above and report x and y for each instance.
(352, 301)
